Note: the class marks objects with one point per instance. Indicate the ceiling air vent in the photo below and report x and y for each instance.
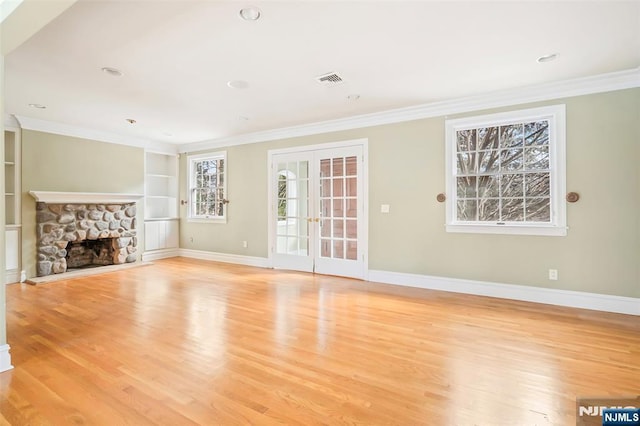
(331, 79)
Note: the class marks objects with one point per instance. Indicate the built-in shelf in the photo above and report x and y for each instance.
(12, 175)
(161, 203)
(12, 189)
(161, 185)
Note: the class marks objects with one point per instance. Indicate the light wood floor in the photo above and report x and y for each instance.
(187, 342)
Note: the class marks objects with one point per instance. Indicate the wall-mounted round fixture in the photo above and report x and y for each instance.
(38, 106)
(250, 13)
(547, 58)
(441, 198)
(114, 72)
(131, 121)
(237, 84)
(573, 197)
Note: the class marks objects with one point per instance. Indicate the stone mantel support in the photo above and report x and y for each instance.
(54, 197)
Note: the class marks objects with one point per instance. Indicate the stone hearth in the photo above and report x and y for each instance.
(57, 225)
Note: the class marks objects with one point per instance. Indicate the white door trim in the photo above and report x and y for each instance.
(363, 240)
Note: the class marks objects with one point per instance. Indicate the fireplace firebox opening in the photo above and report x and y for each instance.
(90, 253)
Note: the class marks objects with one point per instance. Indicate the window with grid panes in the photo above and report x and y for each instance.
(505, 172)
(207, 187)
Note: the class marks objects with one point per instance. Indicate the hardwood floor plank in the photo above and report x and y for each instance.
(190, 342)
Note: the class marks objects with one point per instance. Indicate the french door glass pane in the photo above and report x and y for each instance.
(352, 250)
(352, 187)
(325, 168)
(338, 164)
(325, 247)
(338, 228)
(338, 200)
(292, 230)
(338, 208)
(338, 249)
(351, 229)
(351, 166)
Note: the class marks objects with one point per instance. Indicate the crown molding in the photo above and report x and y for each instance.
(10, 122)
(39, 125)
(609, 82)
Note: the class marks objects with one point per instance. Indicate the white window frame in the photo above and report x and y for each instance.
(192, 160)
(557, 162)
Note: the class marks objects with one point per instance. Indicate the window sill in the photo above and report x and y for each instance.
(206, 220)
(542, 230)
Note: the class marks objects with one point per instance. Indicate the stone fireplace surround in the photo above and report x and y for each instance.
(62, 218)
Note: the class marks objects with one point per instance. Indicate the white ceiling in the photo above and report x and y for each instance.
(177, 57)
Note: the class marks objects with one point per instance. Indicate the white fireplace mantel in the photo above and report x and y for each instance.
(53, 197)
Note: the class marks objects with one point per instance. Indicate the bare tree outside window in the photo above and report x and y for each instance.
(503, 173)
(207, 187)
(506, 172)
(282, 197)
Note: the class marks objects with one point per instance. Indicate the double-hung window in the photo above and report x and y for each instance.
(208, 187)
(506, 172)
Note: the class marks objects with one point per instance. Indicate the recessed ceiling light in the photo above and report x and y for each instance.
(114, 72)
(237, 84)
(250, 13)
(242, 118)
(131, 121)
(547, 58)
(167, 134)
(39, 106)
(353, 97)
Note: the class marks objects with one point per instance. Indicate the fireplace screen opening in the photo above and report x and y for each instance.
(90, 253)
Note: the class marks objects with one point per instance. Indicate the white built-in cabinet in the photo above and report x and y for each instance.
(12, 194)
(161, 234)
(161, 224)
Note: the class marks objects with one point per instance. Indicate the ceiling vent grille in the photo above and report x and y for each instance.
(330, 79)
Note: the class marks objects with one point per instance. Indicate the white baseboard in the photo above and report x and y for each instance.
(148, 256)
(15, 277)
(5, 358)
(568, 298)
(574, 299)
(260, 262)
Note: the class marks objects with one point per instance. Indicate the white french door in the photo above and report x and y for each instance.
(317, 211)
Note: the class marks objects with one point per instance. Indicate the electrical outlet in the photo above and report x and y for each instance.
(190, 239)
(245, 244)
(553, 274)
(384, 208)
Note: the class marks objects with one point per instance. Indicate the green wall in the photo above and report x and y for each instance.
(63, 163)
(406, 170)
